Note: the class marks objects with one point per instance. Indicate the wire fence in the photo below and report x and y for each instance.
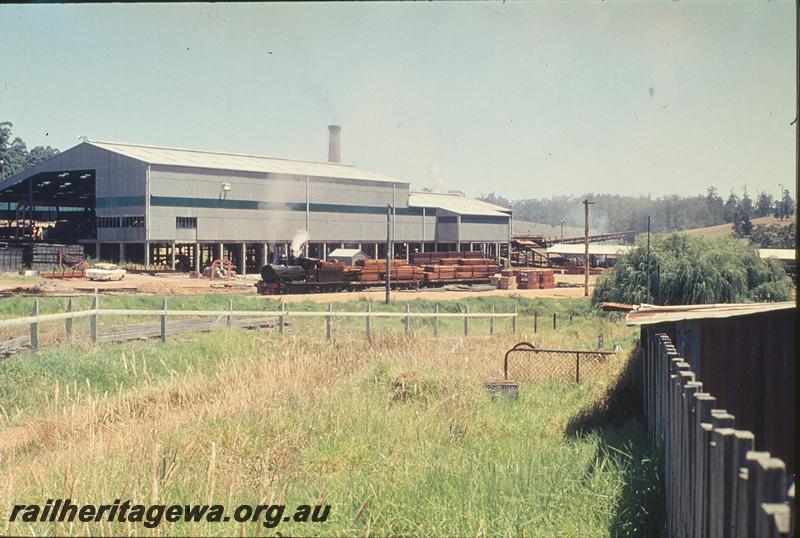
(526, 363)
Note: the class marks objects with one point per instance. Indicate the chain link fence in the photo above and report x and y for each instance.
(526, 363)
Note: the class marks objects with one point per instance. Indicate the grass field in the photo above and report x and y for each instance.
(727, 229)
(397, 434)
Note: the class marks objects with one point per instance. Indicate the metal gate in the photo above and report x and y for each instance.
(536, 364)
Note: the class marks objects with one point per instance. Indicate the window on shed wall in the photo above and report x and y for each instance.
(120, 222)
(186, 222)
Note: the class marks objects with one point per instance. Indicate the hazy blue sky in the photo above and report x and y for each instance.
(524, 99)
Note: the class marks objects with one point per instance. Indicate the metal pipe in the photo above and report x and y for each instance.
(586, 204)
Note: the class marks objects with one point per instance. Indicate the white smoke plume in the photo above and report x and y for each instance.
(438, 178)
(301, 237)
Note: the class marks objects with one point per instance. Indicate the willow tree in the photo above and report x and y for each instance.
(683, 269)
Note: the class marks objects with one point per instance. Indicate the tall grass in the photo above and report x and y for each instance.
(396, 434)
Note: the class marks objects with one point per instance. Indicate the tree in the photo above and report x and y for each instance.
(14, 152)
(763, 204)
(715, 205)
(686, 269)
(492, 198)
(784, 208)
(742, 227)
(774, 236)
(39, 154)
(730, 207)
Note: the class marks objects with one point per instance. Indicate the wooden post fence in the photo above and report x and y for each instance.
(68, 321)
(93, 320)
(715, 484)
(329, 323)
(227, 318)
(35, 326)
(513, 322)
(368, 319)
(164, 320)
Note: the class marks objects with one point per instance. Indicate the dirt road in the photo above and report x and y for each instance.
(182, 284)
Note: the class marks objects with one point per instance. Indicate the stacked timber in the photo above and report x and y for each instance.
(407, 272)
(575, 269)
(375, 270)
(460, 269)
(331, 266)
(507, 283)
(45, 257)
(436, 258)
(535, 279)
(434, 273)
(10, 258)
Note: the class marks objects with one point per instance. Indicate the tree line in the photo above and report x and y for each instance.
(618, 213)
(15, 155)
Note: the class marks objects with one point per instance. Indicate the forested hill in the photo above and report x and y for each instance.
(616, 213)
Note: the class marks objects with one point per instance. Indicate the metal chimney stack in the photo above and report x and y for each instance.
(334, 143)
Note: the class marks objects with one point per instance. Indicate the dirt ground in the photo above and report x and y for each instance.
(182, 284)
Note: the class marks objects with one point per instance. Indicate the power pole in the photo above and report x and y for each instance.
(648, 259)
(388, 253)
(586, 204)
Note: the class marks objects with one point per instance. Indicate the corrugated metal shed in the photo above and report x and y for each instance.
(456, 203)
(650, 315)
(346, 253)
(594, 249)
(239, 162)
(784, 254)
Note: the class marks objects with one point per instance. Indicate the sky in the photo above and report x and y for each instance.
(527, 100)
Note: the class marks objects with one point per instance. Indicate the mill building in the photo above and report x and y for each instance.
(182, 208)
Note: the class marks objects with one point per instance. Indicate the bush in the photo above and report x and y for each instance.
(693, 270)
(774, 235)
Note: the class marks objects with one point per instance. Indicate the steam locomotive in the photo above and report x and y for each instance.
(312, 275)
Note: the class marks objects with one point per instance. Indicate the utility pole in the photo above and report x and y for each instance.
(648, 259)
(388, 253)
(586, 204)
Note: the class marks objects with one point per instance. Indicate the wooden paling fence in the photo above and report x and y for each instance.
(219, 318)
(715, 482)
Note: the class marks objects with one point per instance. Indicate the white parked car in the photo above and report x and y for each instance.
(105, 271)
